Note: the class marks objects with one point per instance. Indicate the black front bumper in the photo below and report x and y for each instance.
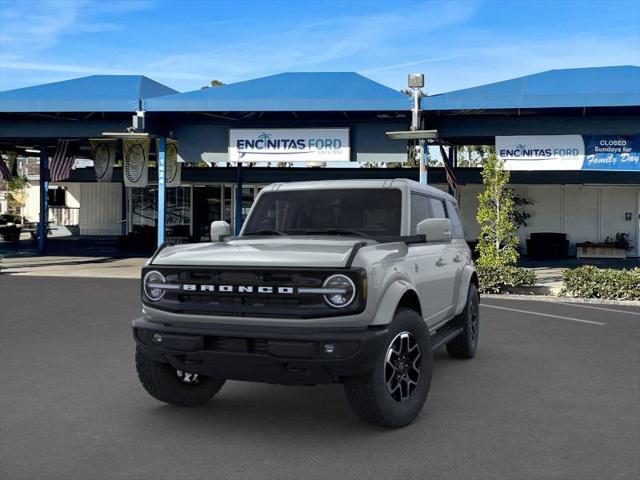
(288, 356)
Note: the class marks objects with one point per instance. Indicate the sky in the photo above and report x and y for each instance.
(185, 44)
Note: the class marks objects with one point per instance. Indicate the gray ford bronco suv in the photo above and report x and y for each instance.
(355, 282)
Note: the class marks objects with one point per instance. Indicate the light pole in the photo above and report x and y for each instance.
(416, 83)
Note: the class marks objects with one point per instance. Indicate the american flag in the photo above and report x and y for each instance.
(448, 169)
(62, 161)
(5, 173)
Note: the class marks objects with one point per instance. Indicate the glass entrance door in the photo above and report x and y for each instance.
(208, 205)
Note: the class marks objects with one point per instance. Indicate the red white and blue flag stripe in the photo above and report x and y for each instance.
(62, 160)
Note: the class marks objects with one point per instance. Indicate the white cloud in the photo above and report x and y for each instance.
(408, 64)
(351, 42)
(89, 70)
(314, 46)
(30, 27)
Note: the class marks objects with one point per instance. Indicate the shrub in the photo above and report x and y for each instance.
(592, 282)
(495, 278)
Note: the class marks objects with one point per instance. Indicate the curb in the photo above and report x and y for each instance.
(556, 299)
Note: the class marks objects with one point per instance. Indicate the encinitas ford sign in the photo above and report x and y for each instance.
(289, 145)
(541, 152)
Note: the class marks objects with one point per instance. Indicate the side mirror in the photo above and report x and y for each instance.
(219, 229)
(435, 229)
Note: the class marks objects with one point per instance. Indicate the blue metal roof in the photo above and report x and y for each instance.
(298, 92)
(96, 93)
(577, 87)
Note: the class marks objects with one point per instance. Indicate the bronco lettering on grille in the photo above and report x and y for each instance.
(193, 287)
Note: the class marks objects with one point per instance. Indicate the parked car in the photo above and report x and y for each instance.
(355, 282)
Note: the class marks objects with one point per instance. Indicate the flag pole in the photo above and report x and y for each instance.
(44, 199)
(416, 83)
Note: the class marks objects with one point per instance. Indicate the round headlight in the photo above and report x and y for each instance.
(151, 284)
(342, 293)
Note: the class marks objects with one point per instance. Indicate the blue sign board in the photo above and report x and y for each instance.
(611, 152)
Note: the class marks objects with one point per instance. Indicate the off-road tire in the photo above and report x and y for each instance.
(368, 396)
(465, 344)
(162, 383)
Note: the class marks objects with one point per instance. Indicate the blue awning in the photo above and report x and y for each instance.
(577, 87)
(96, 93)
(288, 92)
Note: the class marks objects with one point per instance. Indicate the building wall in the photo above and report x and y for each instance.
(100, 208)
(583, 212)
(73, 195)
(32, 202)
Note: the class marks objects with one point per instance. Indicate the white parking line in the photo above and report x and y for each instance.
(542, 314)
(597, 308)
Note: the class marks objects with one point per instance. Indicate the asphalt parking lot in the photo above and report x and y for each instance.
(554, 392)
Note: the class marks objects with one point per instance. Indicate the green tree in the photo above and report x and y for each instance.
(213, 83)
(15, 193)
(474, 155)
(498, 241)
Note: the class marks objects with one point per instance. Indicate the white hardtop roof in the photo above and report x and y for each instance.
(336, 184)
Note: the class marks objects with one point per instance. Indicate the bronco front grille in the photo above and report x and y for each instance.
(279, 302)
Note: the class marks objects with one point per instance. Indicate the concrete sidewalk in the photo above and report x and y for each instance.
(549, 280)
(67, 266)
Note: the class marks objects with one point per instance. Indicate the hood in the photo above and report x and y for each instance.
(262, 252)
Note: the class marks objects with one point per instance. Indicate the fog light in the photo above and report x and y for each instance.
(157, 338)
(329, 348)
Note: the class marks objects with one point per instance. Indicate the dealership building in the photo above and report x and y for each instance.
(571, 139)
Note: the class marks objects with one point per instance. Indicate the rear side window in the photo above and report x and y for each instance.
(437, 208)
(456, 223)
(420, 209)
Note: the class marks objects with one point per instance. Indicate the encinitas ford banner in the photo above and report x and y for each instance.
(289, 145)
(569, 152)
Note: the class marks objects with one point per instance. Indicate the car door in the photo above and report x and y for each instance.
(462, 255)
(447, 262)
(427, 267)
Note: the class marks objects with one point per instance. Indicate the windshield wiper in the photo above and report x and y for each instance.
(337, 231)
(266, 232)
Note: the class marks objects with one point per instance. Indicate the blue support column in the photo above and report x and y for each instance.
(238, 198)
(162, 190)
(44, 199)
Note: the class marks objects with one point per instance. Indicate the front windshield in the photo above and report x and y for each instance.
(371, 212)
